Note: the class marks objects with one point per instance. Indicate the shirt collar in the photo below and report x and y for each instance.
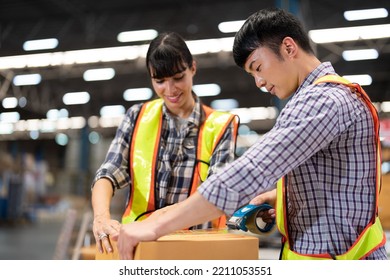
(322, 70)
(194, 118)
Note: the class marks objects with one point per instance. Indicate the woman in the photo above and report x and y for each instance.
(165, 148)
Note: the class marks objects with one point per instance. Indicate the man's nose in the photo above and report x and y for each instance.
(260, 82)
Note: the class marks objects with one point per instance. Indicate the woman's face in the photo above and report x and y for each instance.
(176, 91)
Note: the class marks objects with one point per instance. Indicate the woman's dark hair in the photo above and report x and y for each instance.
(167, 55)
(268, 27)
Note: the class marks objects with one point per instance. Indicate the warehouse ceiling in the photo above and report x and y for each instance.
(86, 24)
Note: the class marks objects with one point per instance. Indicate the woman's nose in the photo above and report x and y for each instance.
(170, 86)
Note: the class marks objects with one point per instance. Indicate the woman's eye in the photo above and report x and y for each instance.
(178, 78)
(258, 68)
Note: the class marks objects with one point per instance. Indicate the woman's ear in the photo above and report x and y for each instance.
(193, 67)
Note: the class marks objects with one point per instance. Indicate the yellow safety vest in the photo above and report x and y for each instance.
(144, 153)
(372, 237)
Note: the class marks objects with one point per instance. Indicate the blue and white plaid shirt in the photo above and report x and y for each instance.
(324, 142)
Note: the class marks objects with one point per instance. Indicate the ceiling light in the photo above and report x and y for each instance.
(385, 106)
(6, 128)
(137, 94)
(138, 35)
(42, 44)
(62, 139)
(77, 122)
(364, 54)
(365, 14)
(10, 102)
(55, 114)
(22, 102)
(112, 111)
(9, 117)
(363, 80)
(343, 34)
(101, 74)
(94, 137)
(230, 26)
(27, 79)
(47, 126)
(210, 45)
(122, 53)
(224, 104)
(207, 89)
(73, 98)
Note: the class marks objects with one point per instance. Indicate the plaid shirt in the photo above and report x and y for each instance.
(323, 140)
(176, 158)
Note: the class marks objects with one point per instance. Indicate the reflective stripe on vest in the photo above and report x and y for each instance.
(144, 153)
(372, 236)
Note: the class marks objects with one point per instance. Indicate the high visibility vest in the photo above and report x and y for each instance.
(144, 153)
(372, 237)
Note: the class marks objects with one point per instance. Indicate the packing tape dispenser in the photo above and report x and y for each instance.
(248, 218)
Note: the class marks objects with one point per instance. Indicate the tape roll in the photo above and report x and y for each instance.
(255, 223)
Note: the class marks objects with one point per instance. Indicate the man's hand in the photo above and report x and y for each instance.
(267, 197)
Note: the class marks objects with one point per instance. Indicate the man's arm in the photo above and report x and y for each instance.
(192, 211)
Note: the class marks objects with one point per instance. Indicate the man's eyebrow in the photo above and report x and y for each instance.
(251, 64)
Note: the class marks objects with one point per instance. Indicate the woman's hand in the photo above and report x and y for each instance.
(104, 227)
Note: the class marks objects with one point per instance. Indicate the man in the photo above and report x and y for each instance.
(323, 144)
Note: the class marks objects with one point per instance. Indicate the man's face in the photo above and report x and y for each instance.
(276, 74)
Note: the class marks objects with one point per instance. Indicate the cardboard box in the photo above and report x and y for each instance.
(195, 245)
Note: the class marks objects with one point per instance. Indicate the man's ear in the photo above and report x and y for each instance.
(289, 47)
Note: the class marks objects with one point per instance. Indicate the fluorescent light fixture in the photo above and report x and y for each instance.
(211, 45)
(48, 126)
(27, 79)
(94, 137)
(363, 79)
(207, 89)
(74, 98)
(55, 114)
(364, 54)
(10, 102)
(93, 121)
(137, 94)
(77, 122)
(22, 102)
(123, 53)
(365, 14)
(224, 104)
(110, 121)
(9, 117)
(62, 139)
(33, 124)
(101, 74)
(343, 34)
(230, 26)
(255, 113)
(138, 35)
(42, 44)
(6, 128)
(385, 106)
(112, 111)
